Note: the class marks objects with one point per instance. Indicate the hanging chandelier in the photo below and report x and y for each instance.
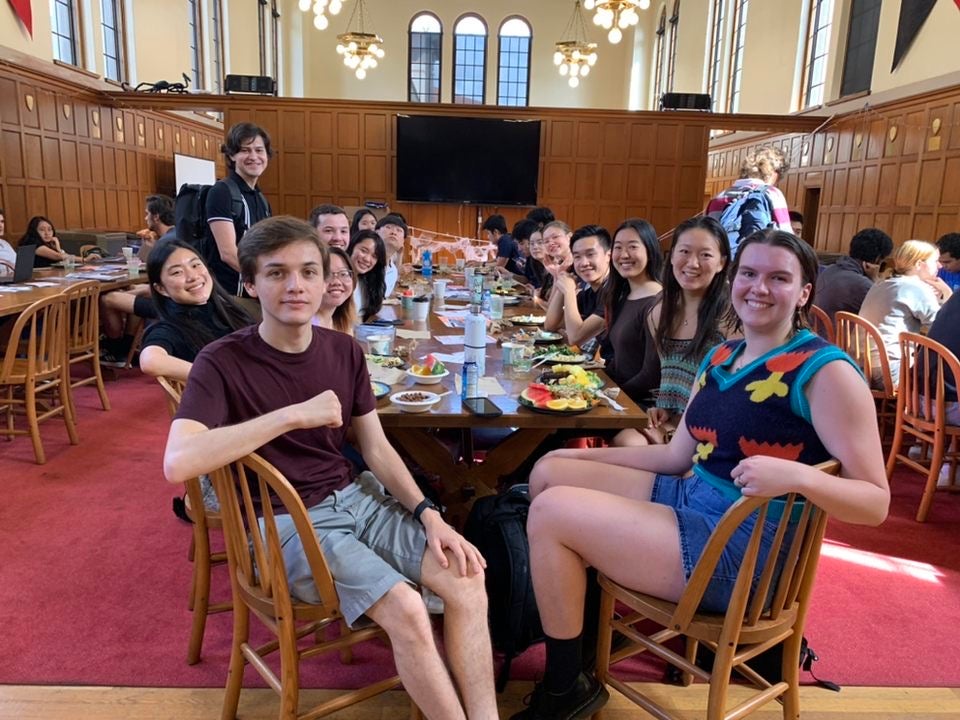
(616, 15)
(320, 9)
(573, 55)
(361, 50)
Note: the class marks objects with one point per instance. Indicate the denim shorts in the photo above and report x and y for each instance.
(699, 507)
(370, 543)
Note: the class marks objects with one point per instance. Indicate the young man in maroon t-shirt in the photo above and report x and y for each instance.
(288, 390)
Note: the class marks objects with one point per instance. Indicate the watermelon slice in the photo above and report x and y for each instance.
(432, 366)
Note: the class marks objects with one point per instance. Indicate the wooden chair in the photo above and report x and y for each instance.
(200, 553)
(921, 407)
(35, 361)
(822, 324)
(861, 340)
(259, 581)
(84, 336)
(774, 613)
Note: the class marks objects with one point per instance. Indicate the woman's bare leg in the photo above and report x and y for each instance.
(553, 471)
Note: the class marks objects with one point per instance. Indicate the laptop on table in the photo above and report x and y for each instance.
(23, 271)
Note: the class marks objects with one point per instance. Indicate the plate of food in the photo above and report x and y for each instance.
(509, 300)
(414, 401)
(555, 399)
(559, 354)
(387, 361)
(546, 337)
(573, 376)
(380, 389)
(430, 372)
(528, 319)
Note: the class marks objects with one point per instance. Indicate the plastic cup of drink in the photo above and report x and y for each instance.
(69, 262)
(133, 267)
(496, 307)
(439, 290)
(381, 343)
(468, 276)
(460, 263)
(523, 357)
(127, 252)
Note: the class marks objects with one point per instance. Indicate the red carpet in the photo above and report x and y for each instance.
(94, 576)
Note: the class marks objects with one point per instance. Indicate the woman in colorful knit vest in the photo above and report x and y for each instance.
(764, 409)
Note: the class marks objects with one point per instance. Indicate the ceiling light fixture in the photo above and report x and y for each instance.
(574, 55)
(616, 15)
(361, 50)
(320, 9)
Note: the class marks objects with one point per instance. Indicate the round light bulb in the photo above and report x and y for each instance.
(304, 5)
(361, 73)
(615, 36)
(574, 70)
(597, 19)
(623, 23)
(575, 55)
(335, 6)
(584, 70)
(564, 69)
(644, 4)
(320, 22)
(340, 49)
(557, 57)
(380, 53)
(352, 47)
(592, 59)
(373, 47)
(372, 63)
(589, 4)
(573, 82)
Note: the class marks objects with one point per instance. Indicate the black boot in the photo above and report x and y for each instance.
(585, 697)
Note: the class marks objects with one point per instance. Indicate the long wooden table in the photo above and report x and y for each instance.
(12, 303)
(461, 477)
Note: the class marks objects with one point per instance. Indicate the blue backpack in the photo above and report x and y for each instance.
(747, 211)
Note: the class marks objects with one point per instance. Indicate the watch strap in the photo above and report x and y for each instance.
(424, 505)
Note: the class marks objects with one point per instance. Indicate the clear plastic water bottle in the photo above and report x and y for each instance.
(485, 303)
(427, 270)
(470, 380)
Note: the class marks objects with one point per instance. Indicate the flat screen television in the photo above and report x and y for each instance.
(484, 161)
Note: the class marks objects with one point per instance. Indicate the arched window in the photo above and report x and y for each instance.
(423, 72)
(513, 73)
(469, 60)
(658, 58)
(815, 58)
(736, 54)
(672, 53)
(715, 57)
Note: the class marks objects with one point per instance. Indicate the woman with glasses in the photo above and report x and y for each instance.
(337, 310)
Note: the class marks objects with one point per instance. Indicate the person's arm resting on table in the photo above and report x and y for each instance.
(386, 465)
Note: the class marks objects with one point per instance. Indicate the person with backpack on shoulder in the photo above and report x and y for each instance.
(235, 203)
(753, 202)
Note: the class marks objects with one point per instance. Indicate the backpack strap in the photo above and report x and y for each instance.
(240, 210)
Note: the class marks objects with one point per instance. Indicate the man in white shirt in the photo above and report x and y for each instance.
(8, 256)
(393, 230)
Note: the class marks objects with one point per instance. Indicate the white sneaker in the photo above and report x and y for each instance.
(944, 480)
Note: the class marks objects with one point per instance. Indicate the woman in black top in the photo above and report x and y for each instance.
(363, 219)
(43, 234)
(193, 310)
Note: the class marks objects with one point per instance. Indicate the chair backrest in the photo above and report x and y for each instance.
(926, 367)
(84, 328)
(40, 332)
(782, 587)
(860, 339)
(174, 391)
(822, 324)
(261, 575)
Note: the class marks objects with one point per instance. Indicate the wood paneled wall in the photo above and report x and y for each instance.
(595, 166)
(66, 153)
(895, 166)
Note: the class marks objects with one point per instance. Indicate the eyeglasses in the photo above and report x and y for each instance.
(341, 275)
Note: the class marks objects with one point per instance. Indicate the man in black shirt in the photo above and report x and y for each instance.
(235, 203)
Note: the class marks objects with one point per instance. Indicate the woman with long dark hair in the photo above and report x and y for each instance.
(193, 310)
(633, 286)
(363, 219)
(687, 321)
(42, 233)
(369, 257)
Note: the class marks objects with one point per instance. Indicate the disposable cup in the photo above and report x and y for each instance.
(496, 307)
(439, 290)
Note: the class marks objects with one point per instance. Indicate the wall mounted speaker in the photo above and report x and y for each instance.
(255, 84)
(685, 101)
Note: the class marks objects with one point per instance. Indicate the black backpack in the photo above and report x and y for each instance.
(190, 216)
(497, 525)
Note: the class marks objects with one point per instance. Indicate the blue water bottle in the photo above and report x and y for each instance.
(427, 270)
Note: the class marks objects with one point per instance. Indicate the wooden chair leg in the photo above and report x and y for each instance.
(30, 399)
(790, 671)
(66, 400)
(241, 630)
(930, 488)
(98, 373)
(200, 596)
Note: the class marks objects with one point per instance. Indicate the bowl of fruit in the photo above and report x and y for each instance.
(430, 372)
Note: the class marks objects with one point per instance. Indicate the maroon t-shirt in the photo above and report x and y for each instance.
(240, 377)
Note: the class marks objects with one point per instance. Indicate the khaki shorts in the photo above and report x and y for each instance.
(370, 542)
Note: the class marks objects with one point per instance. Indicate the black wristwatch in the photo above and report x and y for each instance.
(425, 504)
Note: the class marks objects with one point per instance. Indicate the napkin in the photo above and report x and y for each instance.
(486, 386)
(390, 376)
(413, 334)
